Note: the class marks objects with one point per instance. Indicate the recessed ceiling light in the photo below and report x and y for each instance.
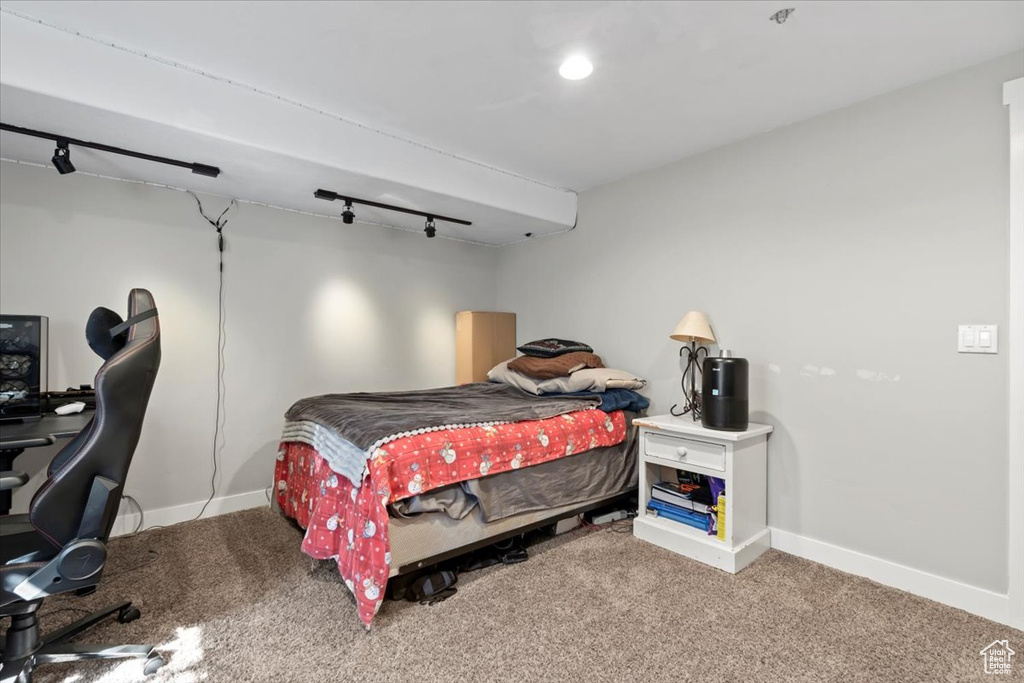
(575, 68)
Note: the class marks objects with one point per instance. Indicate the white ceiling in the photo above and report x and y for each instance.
(248, 172)
(480, 79)
(270, 150)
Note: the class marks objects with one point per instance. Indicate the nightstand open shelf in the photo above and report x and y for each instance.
(669, 443)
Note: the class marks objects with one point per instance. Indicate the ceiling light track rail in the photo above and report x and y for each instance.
(62, 159)
(349, 200)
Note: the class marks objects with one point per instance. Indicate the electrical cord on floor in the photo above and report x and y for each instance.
(142, 514)
(624, 526)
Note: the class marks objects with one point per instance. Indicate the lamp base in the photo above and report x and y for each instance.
(692, 404)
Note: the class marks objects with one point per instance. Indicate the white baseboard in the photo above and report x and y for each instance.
(971, 599)
(128, 519)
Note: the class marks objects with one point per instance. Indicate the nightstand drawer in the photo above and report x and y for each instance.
(698, 453)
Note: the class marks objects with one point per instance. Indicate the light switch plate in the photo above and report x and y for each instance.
(978, 339)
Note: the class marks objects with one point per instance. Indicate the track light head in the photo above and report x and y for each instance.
(205, 170)
(348, 216)
(61, 159)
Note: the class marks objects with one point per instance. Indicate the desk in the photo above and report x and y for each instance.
(15, 437)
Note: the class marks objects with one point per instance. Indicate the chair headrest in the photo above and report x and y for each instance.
(98, 332)
(107, 333)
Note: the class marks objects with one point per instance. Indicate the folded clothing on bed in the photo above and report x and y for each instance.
(588, 380)
(558, 366)
(616, 399)
(551, 347)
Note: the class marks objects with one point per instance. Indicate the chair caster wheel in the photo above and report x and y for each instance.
(129, 614)
(152, 665)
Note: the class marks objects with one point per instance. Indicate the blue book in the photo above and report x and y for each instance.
(677, 514)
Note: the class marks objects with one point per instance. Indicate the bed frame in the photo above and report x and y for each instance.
(427, 539)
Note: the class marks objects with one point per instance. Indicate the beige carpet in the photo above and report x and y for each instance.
(234, 599)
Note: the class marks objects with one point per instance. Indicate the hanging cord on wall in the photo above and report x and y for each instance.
(218, 224)
(219, 416)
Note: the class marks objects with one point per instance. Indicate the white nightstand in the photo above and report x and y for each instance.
(670, 443)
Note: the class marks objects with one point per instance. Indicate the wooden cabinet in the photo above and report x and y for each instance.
(482, 340)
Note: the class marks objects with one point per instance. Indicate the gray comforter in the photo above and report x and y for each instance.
(365, 419)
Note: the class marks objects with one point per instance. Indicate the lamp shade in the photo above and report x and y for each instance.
(693, 327)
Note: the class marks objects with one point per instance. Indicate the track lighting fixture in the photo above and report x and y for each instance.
(62, 159)
(347, 216)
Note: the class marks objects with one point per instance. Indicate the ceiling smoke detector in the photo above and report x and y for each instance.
(781, 16)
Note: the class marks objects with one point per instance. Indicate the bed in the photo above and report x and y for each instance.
(386, 483)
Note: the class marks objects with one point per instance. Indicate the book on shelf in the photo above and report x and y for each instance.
(686, 496)
(677, 514)
(720, 521)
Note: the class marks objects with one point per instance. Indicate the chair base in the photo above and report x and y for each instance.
(24, 648)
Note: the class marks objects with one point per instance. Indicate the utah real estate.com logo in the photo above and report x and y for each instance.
(997, 657)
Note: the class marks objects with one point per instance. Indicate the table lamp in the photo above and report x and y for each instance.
(693, 328)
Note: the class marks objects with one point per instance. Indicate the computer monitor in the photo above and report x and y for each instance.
(23, 355)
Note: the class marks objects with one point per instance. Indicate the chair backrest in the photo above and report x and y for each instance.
(106, 446)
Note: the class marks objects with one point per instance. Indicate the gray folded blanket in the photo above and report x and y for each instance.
(367, 420)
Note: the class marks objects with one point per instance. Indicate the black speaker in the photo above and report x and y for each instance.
(724, 393)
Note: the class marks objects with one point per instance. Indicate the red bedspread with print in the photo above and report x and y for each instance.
(350, 524)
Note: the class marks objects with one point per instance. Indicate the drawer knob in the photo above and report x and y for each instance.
(681, 451)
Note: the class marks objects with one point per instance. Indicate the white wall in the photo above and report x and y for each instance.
(313, 306)
(853, 244)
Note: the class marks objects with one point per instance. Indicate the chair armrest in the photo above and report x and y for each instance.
(12, 479)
